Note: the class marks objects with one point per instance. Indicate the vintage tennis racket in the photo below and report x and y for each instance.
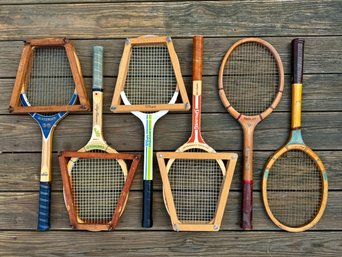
(149, 80)
(193, 182)
(251, 81)
(295, 185)
(49, 83)
(96, 182)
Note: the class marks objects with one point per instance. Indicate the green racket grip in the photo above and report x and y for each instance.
(97, 68)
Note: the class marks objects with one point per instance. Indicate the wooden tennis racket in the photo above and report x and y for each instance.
(47, 77)
(196, 184)
(149, 83)
(295, 185)
(251, 81)
(96, 183)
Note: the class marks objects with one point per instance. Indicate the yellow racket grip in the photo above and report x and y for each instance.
(296, 106)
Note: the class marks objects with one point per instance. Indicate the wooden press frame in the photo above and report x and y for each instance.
(213, 225)
(64, 158)
(23, 69)
(118, 107)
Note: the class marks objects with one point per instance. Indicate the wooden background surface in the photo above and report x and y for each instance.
(107, 23)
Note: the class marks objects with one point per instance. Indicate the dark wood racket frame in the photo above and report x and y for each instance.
(249, 123)
(64, 158)
(24, 66)
(118, 107)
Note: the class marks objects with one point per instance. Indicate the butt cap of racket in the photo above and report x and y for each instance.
(98, 68)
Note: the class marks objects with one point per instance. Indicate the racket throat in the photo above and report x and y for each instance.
(196, 115)
(148, 147)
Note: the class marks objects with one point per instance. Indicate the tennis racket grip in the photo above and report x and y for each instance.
(197, 58)
(297, 60)
(98, 68)
(147, 203)
(247, 182)
(44, 206)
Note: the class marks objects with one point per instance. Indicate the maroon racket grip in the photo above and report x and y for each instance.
(197, 57)
(297, 60)
(247, 203)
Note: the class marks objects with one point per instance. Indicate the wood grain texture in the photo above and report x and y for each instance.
(19, 211)
(235, 18)
(18, 133)
(321, 54)
(169, 244)
(26, 177)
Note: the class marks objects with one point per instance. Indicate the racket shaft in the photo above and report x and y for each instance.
(247, 191)
(197, 89)
(148, 172)
(45, 184)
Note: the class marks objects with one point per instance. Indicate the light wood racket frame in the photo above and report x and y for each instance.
(64, 158)
(320, 165)
(23, 72)
(215, 223)
(117, 105)
(248, 124)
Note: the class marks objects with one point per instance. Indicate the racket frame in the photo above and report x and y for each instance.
(248, 124)
(64, 160)
(119, 93)
(215, 223)
(21, 81)
(295, 142)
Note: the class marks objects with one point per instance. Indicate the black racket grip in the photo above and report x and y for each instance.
(147, 204)
(297, 60)
(44, 206)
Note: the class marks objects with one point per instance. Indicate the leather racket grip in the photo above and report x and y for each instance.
(297, 60)
(147, 204)
(197, 57)
(44, 206)
(247, 203)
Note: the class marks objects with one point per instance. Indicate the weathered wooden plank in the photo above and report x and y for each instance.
(126, 243)
(20, 171)
(321, 54)
(19, 133)
(317, 89)
(18, 210)
(236, 18)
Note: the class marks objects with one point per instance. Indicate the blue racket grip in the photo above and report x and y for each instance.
(147, 204)
(44, 206)
(98, 68)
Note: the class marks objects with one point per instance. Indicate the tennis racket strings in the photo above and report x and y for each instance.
(96, 187)
(150, 77)
(296, 178)
(250, 78)
(195, 186)
(50, 80)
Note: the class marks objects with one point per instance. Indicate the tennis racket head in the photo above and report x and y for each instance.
(149, 77)
(195, 188)
(251, 79)
(95, 187)
(49, 78)
(295, 188)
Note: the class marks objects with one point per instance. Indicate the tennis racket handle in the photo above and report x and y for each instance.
(297, 60)
(98, 68)
(44, 206)
(147, 204)
(197, 58)
(247, 205)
